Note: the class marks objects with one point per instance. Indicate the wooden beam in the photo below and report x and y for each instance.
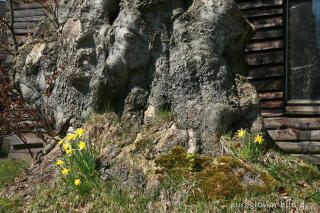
(260, 12)
(270, 95)
(268, 34)
(270, 113)
(288, 122)
(271, 104)
(266, 71)
(303, 110)
(264, 45)
(312, 158)
(258, 3)
(271, 57)
(26, 6)
(300, 147)
(294, 135)
(267, 85)
(261, 23)
(30, 137)
(29, 13)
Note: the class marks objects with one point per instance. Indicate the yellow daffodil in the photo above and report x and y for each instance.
(80, 132)
(70, 136)
(59, 162)
(69, 151)
(82, 145)
(259, 139)
(66, 146)
(65, 171)
(77, 182)
(241, 133)
(61, 142)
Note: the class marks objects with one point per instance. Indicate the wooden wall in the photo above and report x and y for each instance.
(299, 133)
(26, 17)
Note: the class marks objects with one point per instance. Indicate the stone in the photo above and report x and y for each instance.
(140, 58)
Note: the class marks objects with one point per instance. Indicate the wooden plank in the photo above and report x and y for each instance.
(294, 135)
(289, 122)
(31, 139)
(26, 6)
(303, 110)
(258, 3)
(20, 156)
(29, 19)
(268, 85)
(33, 150)
(265, 58)
(264, 45)
(259, 12)
(270, 95)
(270, 113)
(300, 147)
(266, 71)
(23, 31)
(312, 158)
(306, 101)
(29, 13)
(261, 23)
(271, 104)
(24, 25)
(268, 34)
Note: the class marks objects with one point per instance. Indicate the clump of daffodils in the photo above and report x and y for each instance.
(247, 145)
(77, 167)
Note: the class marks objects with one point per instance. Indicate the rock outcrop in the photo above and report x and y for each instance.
(142, 57)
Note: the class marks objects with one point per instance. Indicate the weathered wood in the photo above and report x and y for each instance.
(300, 147)
(265, 57)
(288, 122)
(268, 34)
(268, 85)
(266, 71)
(312, 158)
(30, 137)
(33, 150)
(29, 13)
(258, 3)
(303, 110)
(260, 23)
(20, 156)
(264, 45)
(26, 6)
(270, 95)
(29, 19)
(294, 135)
(306, 101)
(259, 12)
(23, 31)
(270, 113)
(271, 104)
(24, 25)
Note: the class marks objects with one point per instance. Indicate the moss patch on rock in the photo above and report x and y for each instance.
(223, 178)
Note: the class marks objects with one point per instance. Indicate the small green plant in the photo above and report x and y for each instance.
(165, 115)
(247, 146)
(78, 164)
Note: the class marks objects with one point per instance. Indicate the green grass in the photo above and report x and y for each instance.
(9, 169)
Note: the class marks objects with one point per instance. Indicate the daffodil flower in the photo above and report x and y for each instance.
(65, 171)
(70, 136)
(80, 131)
(66, 146)
(61, 142)
(259, 139)
(77, 182)
(69, 151)
(82, 145)
(59, 162)
(241, 133)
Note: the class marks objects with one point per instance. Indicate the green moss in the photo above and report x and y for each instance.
(219, 179)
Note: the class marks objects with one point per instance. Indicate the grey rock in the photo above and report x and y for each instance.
(144, 56)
